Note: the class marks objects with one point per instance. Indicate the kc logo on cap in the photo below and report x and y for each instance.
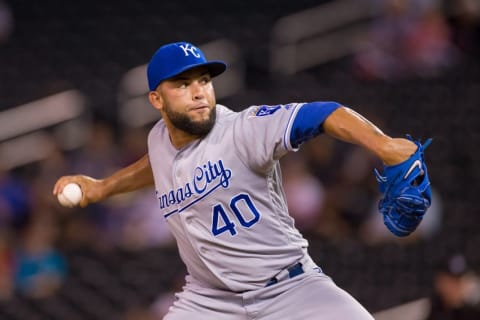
(174, 58)
(188, 48)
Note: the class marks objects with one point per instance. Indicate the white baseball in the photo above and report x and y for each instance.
(70, 195)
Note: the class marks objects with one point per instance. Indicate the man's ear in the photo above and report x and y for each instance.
(155, 100)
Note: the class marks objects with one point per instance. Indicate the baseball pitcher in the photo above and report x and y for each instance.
(218, 183)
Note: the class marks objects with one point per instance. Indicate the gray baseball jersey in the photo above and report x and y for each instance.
(223, 200)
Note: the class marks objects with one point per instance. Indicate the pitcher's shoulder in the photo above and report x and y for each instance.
(225, 114)
(158, 128)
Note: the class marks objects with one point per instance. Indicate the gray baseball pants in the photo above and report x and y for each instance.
(306, 296)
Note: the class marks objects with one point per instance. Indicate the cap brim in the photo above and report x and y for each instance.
(215, 68)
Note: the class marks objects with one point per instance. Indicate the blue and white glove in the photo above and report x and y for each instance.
(406, 192)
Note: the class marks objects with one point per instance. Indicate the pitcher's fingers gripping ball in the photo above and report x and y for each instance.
(406, 190)
(70, 196)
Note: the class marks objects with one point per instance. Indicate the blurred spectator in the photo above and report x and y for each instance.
(15, 200)
(464, 20)
(6, 22)
(6, 264)
(78, 232)
(351, 198)
(323, 158)
(305, 193)
(429, 49)
(44, 177)
(456, 291)
(133, 222)
(75, 225)
(39, 267)
(99, 157)
(134, 143)
(412, 37)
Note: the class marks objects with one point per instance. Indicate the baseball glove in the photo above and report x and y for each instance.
(406, 192)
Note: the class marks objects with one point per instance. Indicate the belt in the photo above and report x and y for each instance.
(289, 272)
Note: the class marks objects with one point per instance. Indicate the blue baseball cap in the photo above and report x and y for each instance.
(174, 58)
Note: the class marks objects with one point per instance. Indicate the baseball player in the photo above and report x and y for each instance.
(218, 183)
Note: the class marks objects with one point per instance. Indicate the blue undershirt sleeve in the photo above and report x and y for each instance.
(309, 119)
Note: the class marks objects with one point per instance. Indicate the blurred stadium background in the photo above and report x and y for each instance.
(72, 100)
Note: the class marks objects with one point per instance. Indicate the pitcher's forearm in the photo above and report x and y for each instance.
(349, 126)
(136, 176)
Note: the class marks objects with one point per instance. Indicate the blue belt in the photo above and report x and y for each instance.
(293, 271)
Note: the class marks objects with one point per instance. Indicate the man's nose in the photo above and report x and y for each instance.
(197, 91)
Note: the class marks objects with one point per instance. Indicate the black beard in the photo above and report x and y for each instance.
(184, 123)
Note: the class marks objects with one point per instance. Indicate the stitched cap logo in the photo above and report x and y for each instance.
(174, 58)
(188, 48)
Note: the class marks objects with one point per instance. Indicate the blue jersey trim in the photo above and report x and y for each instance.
(286, 140)
(309, 119)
